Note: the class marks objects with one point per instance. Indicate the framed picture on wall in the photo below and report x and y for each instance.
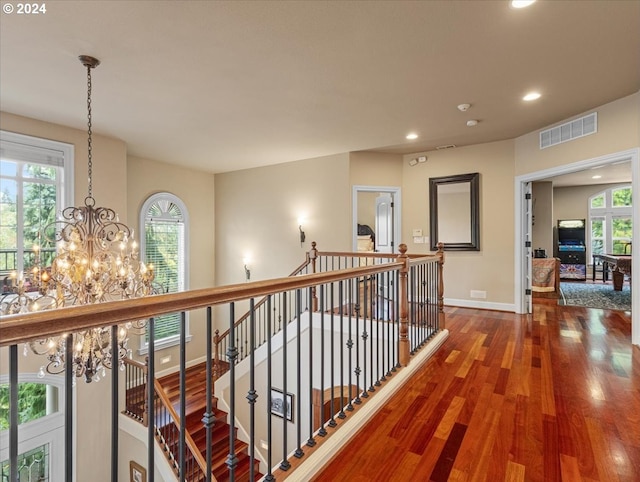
(137, 473)
(281, 405)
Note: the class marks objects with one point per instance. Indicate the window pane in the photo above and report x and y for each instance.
(597, 225)
(8, 168)
(32, 466)
(598, 202)
(39, 171)
(164, 249)
(32, 403)
(8, 225)
(622, 197)
(597, 246)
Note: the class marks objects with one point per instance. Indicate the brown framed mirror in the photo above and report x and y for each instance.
(454, 212)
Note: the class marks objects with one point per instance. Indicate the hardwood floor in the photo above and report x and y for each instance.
(548, 397)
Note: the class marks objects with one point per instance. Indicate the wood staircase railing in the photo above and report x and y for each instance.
(311, 265)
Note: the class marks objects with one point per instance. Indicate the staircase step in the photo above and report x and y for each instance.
(195, 395)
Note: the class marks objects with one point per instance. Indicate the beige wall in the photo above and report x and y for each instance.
(543, 222)
(257, 213)
(375, 169)
(491, 268)
(618, 130)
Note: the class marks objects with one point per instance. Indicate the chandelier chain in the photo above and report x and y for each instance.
(89, 145)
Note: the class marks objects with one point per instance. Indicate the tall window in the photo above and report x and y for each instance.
(35, 184)
(610, 221)
(164, 224)
(41, 428)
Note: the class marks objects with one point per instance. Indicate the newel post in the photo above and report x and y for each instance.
(313, 255)
(441, 317)
(403, 348)
(216, 355)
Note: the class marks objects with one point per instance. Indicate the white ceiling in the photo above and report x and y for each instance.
(222, 85)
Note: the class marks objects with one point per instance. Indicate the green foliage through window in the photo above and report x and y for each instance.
(32, 403)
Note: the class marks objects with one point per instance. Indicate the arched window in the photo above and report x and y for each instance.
(164, 225)
(610, 221)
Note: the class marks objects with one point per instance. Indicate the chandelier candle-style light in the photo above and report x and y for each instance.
(97, 260)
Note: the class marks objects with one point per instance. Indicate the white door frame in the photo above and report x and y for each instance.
(632, 155)
(397, 209)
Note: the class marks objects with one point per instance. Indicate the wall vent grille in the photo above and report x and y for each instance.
(580, 127)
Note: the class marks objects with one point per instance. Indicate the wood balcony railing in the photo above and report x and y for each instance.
(343, 324)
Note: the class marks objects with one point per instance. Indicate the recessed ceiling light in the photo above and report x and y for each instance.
(596, 177)
(412, 135)
(521, 3)
(531, 96)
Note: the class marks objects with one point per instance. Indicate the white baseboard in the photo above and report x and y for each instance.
(482, 305)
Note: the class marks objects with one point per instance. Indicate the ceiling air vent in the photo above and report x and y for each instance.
(448, 146)
(580, 127)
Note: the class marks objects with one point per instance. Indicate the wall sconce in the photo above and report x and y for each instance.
(303, 236)
(247, 269)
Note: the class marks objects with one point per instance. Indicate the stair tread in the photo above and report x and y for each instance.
(195, 394)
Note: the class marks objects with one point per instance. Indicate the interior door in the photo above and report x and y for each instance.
(528, 230)
(384, 223)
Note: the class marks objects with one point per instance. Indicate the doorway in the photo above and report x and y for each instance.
(378, 207)
(523, 227)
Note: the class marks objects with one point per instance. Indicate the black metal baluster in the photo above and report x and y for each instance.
(284, 465)
(332, 356)
(322, 432)
(115, 371)
(68, 412)
(208, 420)
(365, 336)
(151, 422)
(379, 356)
(311, 441)
(371, 364)
(299, 452)
(357, 400)
(269, 476)
(14, 476)
(396, 321)
(341, 414)
(232, 355)
(350, 343)
(252, 396)
(183, 394)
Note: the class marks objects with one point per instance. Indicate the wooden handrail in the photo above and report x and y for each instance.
(24, 327)
(135, 363)
(187, 436)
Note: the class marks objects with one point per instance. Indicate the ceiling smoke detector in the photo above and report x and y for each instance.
(464, 107)
(472, 123)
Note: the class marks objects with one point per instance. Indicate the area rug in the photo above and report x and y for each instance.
(595, 296)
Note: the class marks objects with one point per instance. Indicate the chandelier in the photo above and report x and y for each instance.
(96, 260)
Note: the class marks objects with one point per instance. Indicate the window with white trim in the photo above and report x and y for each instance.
(164, 226)
(610, 221)
(35, 184)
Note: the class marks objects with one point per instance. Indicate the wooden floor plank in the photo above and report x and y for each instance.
(550, 396)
